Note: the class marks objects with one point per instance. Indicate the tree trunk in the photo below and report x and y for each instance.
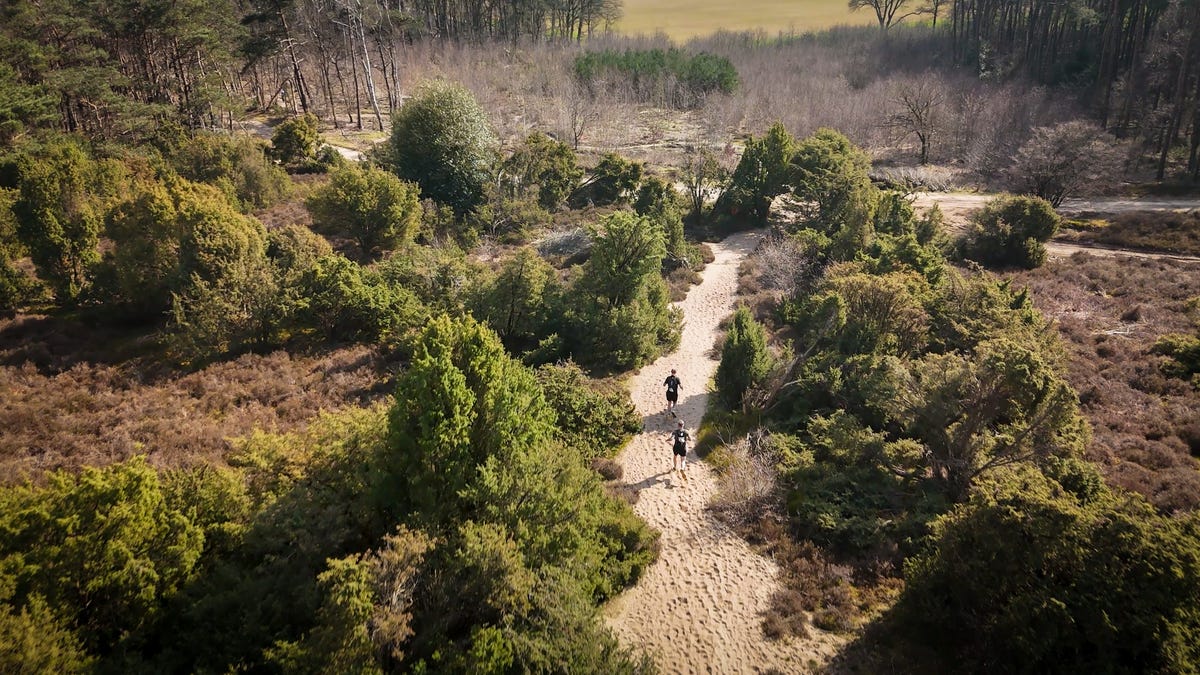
(291, 49)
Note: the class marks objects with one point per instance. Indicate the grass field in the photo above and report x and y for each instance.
(683, 19)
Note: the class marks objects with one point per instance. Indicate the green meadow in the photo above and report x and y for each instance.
(684, 19)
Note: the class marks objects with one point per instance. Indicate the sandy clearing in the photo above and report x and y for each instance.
(698, 609)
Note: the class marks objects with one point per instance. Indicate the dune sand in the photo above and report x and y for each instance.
(698, 609)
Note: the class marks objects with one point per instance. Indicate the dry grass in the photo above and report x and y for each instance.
(72, 395)
(1168, 231)
(683, 19)
(1110, 312)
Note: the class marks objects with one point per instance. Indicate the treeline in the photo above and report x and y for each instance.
(162, 235)
(120, 71)
(916, 423)
(512, 19)
(1137, 57)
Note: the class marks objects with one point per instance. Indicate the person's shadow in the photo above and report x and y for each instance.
(650, 482)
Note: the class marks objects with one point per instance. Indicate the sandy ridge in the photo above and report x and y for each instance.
(698, 608)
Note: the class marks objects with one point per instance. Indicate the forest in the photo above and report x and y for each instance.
(318, 320)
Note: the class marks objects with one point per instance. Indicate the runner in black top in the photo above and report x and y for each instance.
(672, 384)
(679, 439)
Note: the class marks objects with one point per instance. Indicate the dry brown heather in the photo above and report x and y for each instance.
(1110, 311)
(73, 396)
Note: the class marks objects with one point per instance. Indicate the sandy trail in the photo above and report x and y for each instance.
(698, 609)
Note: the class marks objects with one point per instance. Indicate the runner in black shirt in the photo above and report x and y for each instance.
(679, 439)
(672, 384)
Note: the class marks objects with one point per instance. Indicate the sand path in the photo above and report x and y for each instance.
(698, 608)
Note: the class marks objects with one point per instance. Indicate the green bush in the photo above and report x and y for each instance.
(595, 418)
(295, 141)
(745, 361)
(103, 549)
(616, 311)
(1184, 351)
(167, 234)
(234, 312)
(1011, 232)
(34, 640)
(15, 287)
(544, 165)
(63, 197)
(532, 540)
(661, 203)
(237, 165)
(441, 276)
(614, 179)
(441, 140)
(1029, 577)
(343, 301)
(830, 179)
(372, 206)
(762, 174)
(295, 248)
(517, 302)
(669, 77)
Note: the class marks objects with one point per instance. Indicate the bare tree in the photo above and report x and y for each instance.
(704, 177)
(918, 106)
(580, 111)
(933, 8)
(885, 11)
(1058, 161)
(354, 12)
